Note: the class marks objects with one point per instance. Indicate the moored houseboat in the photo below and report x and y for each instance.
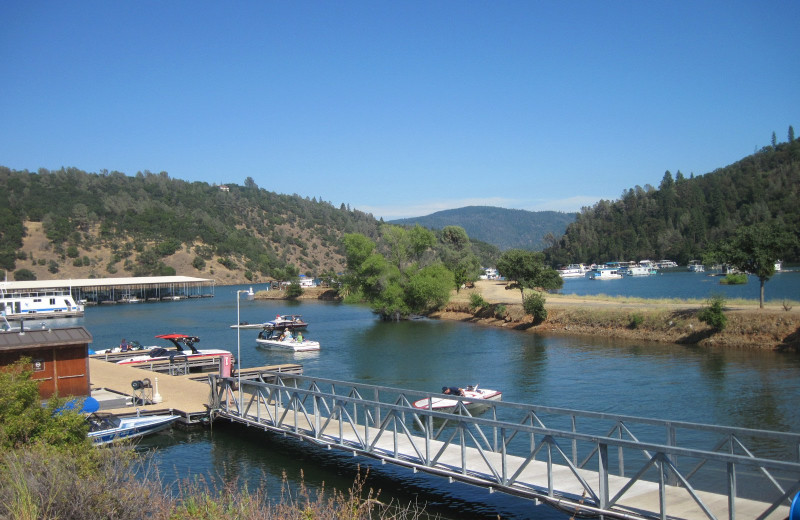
(38, 303)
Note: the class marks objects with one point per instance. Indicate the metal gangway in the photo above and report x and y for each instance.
(582, 462)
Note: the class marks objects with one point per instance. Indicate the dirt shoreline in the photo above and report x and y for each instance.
(773, 328)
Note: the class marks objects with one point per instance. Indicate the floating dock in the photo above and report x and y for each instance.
(186, 395)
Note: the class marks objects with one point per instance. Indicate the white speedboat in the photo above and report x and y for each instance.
(105, 429)
(179, 355)
(270, 338)
(133, 346)
(449, 402)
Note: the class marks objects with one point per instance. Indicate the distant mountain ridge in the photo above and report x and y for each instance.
(504, 228)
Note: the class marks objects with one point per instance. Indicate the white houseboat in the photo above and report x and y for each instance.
(605, 273)
(573, 271)
(38, 303)
(695, 266)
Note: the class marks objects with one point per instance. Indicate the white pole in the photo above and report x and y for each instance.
(250, 296)
(156, 396)
(239, 352)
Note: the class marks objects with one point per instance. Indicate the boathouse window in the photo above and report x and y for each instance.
(52, 301)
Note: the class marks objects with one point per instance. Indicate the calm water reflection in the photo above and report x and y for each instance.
(742, 388)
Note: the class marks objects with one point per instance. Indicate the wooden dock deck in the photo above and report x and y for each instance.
(187, 395)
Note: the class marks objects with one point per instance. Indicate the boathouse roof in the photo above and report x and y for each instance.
(101, 282)
(43, 337)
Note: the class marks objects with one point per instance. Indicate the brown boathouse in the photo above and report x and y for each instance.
(60, 360)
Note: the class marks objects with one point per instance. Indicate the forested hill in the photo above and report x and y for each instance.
(110, 224)
(504, 228)
(684, 215)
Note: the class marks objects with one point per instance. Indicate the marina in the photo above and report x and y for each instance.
(610, 377)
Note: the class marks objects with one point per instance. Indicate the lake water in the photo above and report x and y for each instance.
(784, 285)
(743, 388)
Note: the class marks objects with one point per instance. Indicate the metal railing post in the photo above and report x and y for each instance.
(602, 469)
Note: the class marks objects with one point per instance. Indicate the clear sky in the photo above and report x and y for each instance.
(399, 108)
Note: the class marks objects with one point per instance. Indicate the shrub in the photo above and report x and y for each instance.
(24, 275)
(500, 311)
(72, 252)
(476, 301)
(294, 290)
(52, 266)
(198, 263)
(713, 315)
(227, 262)
(734, 279)
(534, 305)
(636, 321)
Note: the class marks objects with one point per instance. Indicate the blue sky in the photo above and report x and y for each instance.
(399, 108)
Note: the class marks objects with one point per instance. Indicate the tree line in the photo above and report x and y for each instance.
(685, 216)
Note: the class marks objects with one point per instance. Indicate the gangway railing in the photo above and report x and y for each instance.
(581, 461)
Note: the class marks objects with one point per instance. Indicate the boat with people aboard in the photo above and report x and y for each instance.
(449, 402)
(193, 360)
(286, 321)
(285, 340)
(125, 346)
(573, 271)
(605, 273)
(38, 303)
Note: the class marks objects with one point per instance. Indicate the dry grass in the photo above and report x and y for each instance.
(116, 483)
(665, 320)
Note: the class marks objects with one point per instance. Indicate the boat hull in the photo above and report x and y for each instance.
(131, 428)
(448, 404)
(291, 345)
(249, 326)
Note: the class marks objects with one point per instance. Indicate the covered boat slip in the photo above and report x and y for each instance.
(582, 462)
(121, 290)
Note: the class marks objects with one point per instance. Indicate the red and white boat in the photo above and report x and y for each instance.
(449, 402)
(179, 355)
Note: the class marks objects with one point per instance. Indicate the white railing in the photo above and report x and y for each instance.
(579, 460)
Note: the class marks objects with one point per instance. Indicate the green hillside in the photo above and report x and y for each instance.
(681, 218)
(504, 228)
(72, 224)
(146, 220)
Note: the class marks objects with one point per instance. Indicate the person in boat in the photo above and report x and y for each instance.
(287, 335)
(452, 390)
(300, 337)
(123, 346)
